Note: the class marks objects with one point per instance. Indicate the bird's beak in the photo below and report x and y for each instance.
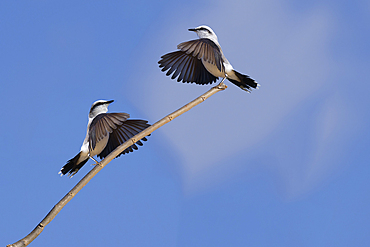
(110, 101)
(192, 29)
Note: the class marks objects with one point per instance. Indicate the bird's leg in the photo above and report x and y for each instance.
(93, 160)
(222, 85)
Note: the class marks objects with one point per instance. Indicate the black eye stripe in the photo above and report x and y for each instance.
(204, 29)
(100, 103)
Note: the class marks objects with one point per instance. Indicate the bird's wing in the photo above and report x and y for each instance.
(104, 124)
(187, 67)
(122, 133)
(204, 49)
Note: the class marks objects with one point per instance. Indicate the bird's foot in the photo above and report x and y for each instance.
(221, 85)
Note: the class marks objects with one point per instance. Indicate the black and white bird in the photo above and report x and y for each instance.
(105, 132)
(202, 61)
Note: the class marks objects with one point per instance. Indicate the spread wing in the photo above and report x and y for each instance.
(103, 124)
(187, 63)
(122, 133)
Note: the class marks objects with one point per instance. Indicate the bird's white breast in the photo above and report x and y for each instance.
(212, 68)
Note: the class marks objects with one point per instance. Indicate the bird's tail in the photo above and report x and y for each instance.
(72, 166)
(243, 81)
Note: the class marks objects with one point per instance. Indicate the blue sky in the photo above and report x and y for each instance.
(286, 165)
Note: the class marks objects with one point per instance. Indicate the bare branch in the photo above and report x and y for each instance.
(56, 209)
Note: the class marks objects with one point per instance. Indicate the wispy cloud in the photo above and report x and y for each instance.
(287, 54)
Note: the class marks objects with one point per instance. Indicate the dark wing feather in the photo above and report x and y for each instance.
(103, 124)
(190, 68)
(204, 49)
(122, 133)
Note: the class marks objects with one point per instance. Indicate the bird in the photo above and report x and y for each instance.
(202, 61)
(105, 132)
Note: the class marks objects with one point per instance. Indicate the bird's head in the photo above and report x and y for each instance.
(99, 106)
(204, 32)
